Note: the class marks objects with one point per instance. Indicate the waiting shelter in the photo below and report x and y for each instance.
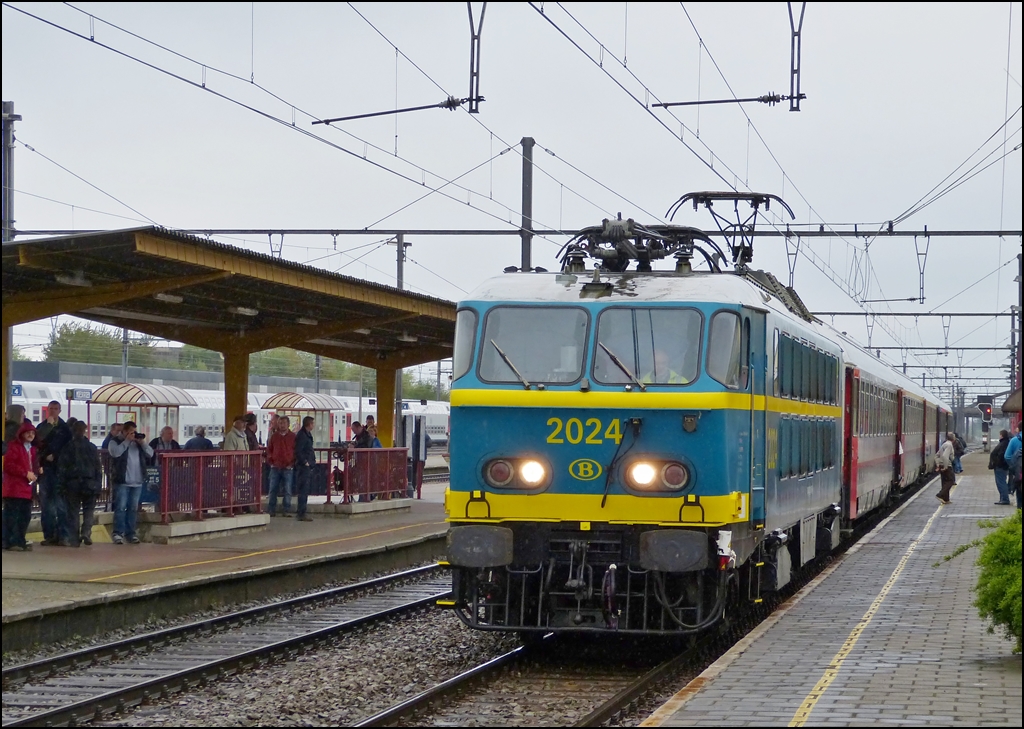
(298, 405)
(150, 407)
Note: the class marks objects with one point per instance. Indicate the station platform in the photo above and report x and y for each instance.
(882, 636)
(52, 581)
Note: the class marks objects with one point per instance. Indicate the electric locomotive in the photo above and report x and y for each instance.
(636, 450)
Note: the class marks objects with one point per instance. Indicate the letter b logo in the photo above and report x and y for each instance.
(585, 469)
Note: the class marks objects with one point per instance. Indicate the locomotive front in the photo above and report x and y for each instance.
(601, 451)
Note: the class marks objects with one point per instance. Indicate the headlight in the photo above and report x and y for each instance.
(499, 473)
(532, 473)
(657, 475)
(642, 474)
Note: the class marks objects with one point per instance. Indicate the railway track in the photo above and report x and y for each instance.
(83, 685)
(588, 689)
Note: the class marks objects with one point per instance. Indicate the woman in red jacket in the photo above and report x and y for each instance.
(21, 468)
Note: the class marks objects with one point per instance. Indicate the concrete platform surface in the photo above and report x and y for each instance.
(882, 637)
(53, 578)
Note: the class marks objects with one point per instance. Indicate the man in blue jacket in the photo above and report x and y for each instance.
(305, 465)
(1013, 463)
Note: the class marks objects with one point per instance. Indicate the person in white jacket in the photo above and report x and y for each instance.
(944, 460)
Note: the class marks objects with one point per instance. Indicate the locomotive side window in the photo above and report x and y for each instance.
(465, 342)
(543, 344)
(656, 346)
(725, 349)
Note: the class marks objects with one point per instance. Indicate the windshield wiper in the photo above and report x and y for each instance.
(510, 365)
(618, 363)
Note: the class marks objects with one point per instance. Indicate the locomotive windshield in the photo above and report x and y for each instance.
(537, 344)
(653, 346)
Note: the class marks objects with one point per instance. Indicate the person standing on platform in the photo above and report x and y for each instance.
(166, 441)
(115, 430)
(13, 421)
(199, 442)
(374, 440)
(360, 436)
(129, 454)
(281, 457)
(81, 476)
(1013, 463)
(236, 440)
(21, 466)
(251, 425)
(959, 448)
(997, 464)
(944, 461)
(51, 437)
(305, 466)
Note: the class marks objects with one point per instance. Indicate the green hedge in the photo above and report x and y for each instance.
(999, 584)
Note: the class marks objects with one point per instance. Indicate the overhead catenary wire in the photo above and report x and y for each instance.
(271, 117)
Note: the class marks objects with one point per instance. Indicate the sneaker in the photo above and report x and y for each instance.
(118, 539)
(272, 515)
(87, 541)
(305, 518)
(287, 515)
(26, 547)
(65, 543)
(49, 543)
(135, 540)
(1002, 503)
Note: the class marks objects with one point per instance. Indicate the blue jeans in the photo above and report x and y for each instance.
(52, 506)
(1002, 484)
(277, 475)
(957, 468)
(126, 508)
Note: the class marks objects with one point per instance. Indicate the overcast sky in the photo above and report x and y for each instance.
(899, 96)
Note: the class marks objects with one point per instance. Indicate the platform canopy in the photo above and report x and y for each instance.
(125, 393)
(189, 289)
(305, 401)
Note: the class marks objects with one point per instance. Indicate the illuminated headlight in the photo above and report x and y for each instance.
(657, 475)
(642, 474)
(532, 473)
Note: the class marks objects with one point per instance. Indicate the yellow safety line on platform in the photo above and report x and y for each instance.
(832, 672)
(665, 713)
(265, 551)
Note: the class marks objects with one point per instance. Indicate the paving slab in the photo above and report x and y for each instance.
(881, 637)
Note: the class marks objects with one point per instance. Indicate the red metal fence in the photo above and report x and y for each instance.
(375, 473)
(195, 482)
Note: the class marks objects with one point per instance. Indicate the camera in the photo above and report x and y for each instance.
(140, 436)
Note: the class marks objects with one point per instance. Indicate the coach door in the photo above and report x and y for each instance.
(754, 333)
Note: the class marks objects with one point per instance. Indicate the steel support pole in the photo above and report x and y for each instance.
(526, 231)
(9, 117)
(401, 244)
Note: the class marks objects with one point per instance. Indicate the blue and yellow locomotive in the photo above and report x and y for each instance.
(616, 438)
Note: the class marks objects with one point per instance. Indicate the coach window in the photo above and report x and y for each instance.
(786, 366)
(797, 370)
(795, 446)
(658, 346)
(465, 341)
(726, 348)
(538, 344)
(776, 380)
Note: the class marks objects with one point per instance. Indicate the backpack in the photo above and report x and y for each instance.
(958, 447)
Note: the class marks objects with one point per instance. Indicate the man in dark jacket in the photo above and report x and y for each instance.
(80, 475)
(52, 435)
(997, 465)
(199, 442)
(305, 465)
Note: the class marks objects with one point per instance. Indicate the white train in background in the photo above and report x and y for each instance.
(209, 412)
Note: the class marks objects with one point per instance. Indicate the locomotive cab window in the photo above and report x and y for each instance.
(656, 346)
(727, 350)
(465, 341)
(543, 344)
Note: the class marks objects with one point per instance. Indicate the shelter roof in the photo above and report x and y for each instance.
(185, 288)
(126, 393)
(302, 401)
